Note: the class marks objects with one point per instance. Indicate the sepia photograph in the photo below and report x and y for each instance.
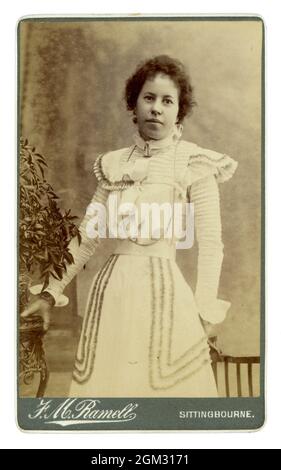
(140, 220)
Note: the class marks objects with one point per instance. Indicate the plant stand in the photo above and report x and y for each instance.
(32, 358)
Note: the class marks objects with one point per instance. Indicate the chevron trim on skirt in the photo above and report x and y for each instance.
(141, 334)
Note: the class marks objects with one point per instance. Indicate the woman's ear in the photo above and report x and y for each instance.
(178, 129)
(135, 116)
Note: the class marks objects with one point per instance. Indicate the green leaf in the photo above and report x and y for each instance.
(69, 257)
(58, 271)
(52, 274)
(42, 171)
(42, 162)
(79, 237)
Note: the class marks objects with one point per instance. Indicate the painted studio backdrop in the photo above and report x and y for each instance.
(72, 77)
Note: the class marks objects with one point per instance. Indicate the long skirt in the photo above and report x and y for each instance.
(141, 334)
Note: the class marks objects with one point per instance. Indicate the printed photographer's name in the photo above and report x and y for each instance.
(143, 221)
(77, 411)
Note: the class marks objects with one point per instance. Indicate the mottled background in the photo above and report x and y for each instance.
(72, 76)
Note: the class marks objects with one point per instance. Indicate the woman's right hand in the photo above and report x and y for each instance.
(39, 307)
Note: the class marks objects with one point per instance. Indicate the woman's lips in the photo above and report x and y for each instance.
(154, 121)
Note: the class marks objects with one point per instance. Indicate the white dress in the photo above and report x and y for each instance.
(141, 334)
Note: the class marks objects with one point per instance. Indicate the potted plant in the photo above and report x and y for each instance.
(44, 235)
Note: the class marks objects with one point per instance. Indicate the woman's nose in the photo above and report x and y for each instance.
(156, 107)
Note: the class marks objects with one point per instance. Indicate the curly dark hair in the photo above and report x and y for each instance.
(165, 65)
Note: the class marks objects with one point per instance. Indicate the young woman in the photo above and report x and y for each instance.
(145, 334)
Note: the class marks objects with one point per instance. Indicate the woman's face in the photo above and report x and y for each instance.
(157, 107)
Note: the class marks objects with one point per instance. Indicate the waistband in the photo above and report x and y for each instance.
(161, 249)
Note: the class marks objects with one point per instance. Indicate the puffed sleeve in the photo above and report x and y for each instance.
(81, 253)
(203, 162)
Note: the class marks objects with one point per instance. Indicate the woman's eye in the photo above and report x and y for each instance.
(168, 101)
(148, 98)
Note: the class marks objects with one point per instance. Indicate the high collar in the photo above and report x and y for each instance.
(171, 139)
